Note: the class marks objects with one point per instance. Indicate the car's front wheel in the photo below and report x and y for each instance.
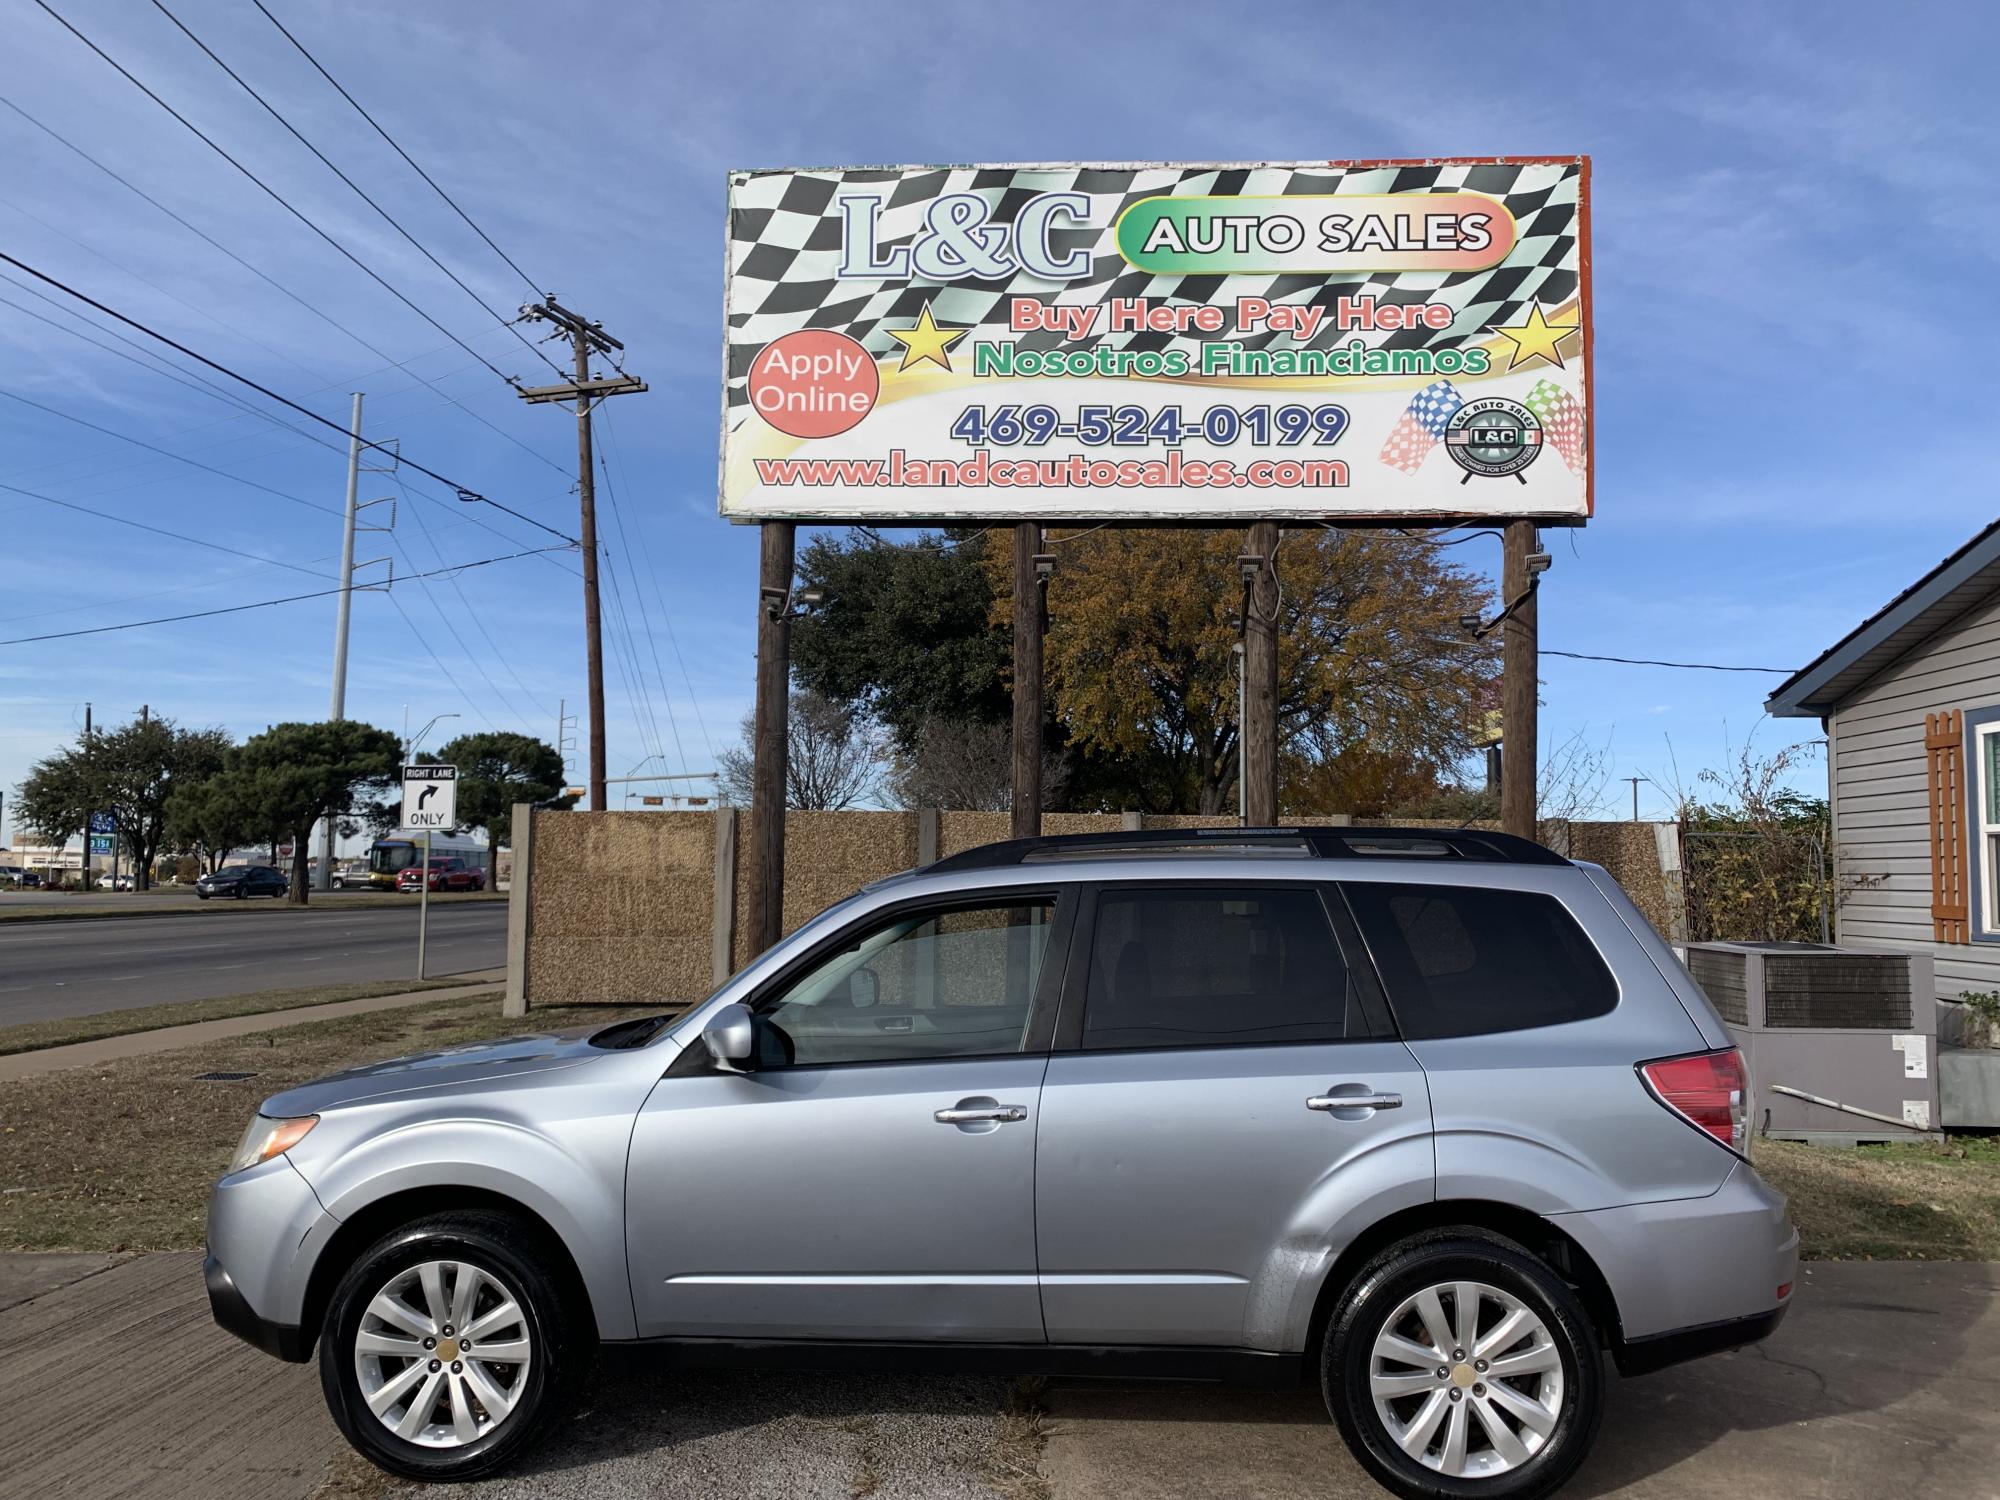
(448, 1349)
(1459, 1364)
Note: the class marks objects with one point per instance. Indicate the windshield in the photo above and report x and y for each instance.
(387, 859)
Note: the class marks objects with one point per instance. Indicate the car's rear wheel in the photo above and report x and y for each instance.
(448, 1349)
(1458, 1364)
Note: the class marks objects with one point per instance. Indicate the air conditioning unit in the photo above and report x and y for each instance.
(1841, 1042)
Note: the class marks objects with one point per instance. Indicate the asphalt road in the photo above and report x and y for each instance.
(55, 970)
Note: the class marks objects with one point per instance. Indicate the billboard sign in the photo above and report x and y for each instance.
(1328, 340)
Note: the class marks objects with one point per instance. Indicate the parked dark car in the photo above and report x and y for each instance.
(242, 882)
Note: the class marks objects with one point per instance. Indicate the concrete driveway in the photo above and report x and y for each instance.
(1885, 1380)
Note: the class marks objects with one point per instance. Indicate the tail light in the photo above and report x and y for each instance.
(1709, 1090)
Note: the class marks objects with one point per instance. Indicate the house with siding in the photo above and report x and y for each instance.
(1910, 701)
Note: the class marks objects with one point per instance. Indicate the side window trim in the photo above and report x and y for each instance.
(1068, 1018)
(1041, 1006)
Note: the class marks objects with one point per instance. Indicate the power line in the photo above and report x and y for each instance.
(359, 192)
(666, 615)
(178, 458)
(178, 536)
(462, 492)
(1646, 661)
(438, 661)
(645, 614)
(478, 624)
(325, 317)
(533, 285)
(272, 192)
(233, 609)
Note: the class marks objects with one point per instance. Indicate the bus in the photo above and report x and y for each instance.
(388, 858)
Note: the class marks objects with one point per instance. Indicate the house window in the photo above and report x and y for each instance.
(1985, 748)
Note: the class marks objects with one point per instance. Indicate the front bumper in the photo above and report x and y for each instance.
(232, 1312)
(265, 1229)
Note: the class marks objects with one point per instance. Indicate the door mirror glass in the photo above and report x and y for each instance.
(731, 1038)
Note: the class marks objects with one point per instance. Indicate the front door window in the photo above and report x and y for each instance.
(924, 984)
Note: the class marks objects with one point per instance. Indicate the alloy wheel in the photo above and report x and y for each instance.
(442, 1353)
(1467, 1379)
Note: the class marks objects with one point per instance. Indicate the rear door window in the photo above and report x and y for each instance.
(1187, 966)
(1462, 961)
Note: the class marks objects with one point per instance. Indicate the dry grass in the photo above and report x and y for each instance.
(1902, 1202)
(33, 1036)
(1020, 1434)
(120, 1157)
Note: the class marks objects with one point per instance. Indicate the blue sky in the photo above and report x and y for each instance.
(1794, 261)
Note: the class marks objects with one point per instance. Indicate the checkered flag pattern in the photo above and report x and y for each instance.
(1421, 426)
(1561, 416)
(785, 236)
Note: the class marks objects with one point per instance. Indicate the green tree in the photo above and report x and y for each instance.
(292, 775)
(905, 633)
(213, 817)
(130, 773)
(139, 768)
(495, 771)
(58, 797)
(1371, 656)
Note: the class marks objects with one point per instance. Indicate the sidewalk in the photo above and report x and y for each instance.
(118, 1385)
(167, 1038)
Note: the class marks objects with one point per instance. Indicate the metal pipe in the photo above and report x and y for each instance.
(1846, 1109)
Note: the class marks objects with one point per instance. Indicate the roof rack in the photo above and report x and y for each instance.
(1473, 845)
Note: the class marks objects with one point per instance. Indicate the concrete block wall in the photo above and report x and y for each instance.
(625, 908)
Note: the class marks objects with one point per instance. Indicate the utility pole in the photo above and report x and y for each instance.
(1031, 571)
(86, 824)
(770, 733)
(1260, 674)
(1522, 561)
(585, 338)
(337, 703)
(1635, 780)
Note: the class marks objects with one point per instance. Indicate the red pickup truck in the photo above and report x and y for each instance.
(446, 874)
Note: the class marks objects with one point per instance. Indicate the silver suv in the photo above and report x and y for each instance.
(1433, 1119)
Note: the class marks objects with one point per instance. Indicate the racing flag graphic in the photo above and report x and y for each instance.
(1422, 425)
(1561, 416)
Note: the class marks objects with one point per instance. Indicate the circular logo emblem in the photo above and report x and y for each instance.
(1494, 437)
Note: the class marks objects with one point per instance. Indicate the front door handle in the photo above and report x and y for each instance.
(1331, 1102)
(1008, 1114)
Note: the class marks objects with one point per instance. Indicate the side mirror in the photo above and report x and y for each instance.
(731, 1038)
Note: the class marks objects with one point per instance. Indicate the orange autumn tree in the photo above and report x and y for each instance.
(1380, 694)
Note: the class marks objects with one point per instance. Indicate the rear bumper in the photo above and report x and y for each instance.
(232, 1311)
(1643, 1356)
(1681, 1267)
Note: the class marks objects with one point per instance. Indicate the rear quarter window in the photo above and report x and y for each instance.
(1465, 961)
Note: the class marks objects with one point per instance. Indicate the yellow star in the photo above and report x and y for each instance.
(1535, 339)
(926, 341)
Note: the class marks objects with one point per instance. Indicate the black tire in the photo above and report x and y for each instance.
(1449, 1255)
(242, 890)
(560, 1337)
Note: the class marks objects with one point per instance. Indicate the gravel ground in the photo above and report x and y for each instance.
(644, 1430)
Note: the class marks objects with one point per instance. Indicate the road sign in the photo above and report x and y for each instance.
(430, 796)
(103, 843)
(104, 822)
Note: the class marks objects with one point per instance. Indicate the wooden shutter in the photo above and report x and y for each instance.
(1944, 755)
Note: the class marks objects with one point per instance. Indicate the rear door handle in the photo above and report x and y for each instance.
(1004, 1113)
(1331, 1102)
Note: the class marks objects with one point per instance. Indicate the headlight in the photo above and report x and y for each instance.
(267, 1138)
